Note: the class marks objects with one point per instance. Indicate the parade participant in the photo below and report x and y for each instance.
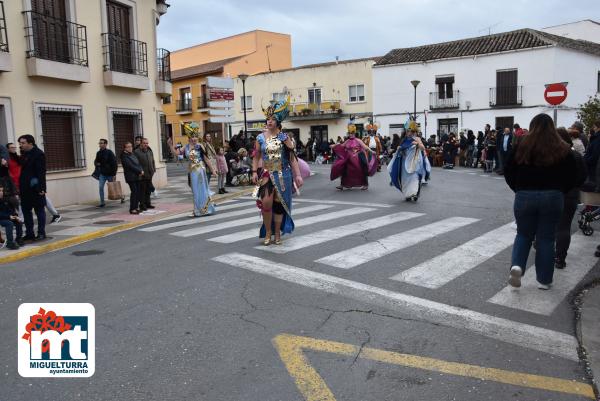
(373, 142)
(409, 166)
(210, 155)
(203, 204)
(274, 182)
(355, 162)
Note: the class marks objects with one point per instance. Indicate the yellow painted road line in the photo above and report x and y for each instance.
(312, 386)
(78, 239)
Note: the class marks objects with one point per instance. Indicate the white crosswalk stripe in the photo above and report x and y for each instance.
(365, 253)
(252, 233)
(580, 261)
(319, 237)
(336, 202)
(444, 268)
(256, 219)
(517, 333)
(218, 216)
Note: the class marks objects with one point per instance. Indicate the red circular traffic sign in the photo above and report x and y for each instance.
(555, 94)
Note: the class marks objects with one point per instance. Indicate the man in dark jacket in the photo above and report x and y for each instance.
(146, 158)
(592, 153)
(106, 166)
(504, 148)
(32, 185)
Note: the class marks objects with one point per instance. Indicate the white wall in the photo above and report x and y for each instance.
(474, 76)
(585, 30)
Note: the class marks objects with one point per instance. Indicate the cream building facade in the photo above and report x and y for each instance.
(323, 97)
(75, 71)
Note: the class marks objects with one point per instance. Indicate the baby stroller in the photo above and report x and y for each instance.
(590, 213)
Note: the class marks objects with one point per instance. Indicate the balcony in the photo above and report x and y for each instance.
(125, 62)
(56, 48)
(202, 103)
(5, 61)
(163, 79)
(326, 110)
(444, 101)
(184, 106)
(506, 96)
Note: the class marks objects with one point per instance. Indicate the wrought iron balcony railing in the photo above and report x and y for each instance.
(163, 60)
(444, 100)
(184, 105)
(202, 102)
(124, 55)
(55, 39)
(3, 36)
(506, 96)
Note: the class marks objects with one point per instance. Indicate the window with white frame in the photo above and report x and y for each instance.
(356, 93)
(246, 104)
(62, 138)
(314, 96)
(280, 96)
(126, 124)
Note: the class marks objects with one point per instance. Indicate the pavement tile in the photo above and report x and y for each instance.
(79, 230)
(590, 329)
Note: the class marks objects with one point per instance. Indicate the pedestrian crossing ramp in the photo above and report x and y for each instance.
(388, 236)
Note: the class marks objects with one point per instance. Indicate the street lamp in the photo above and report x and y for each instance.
(415, 83)
(244, 77)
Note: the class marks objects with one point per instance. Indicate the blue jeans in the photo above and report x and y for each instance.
(9, 225)
(537, 214)
(102, 179)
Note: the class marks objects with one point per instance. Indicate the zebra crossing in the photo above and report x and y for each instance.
(321, 222)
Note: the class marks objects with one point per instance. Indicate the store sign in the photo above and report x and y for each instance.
(220, 99)
(257, 126)
(220, 94)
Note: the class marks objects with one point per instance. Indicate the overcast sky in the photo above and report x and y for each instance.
(323, 29)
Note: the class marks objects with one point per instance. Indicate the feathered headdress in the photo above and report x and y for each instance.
(278, 110)
(191, 130)
(411, 125)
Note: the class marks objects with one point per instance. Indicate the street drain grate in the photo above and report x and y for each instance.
(90, 252)
(102, 222)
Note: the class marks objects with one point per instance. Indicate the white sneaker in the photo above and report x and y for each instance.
(544, 286)
(515, 276)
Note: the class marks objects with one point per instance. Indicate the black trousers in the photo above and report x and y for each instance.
(563, 231)
(134, 197)
(145, 191)
(29, 203)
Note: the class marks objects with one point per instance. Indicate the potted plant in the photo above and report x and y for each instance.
(306, 111)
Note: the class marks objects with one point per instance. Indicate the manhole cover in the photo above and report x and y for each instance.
(90, 252)
(101, 222)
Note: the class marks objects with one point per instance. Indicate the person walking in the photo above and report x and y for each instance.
(505, 147)
(222, 170)
(146, 159)
(106, 165)
(133, 172)
(540, 170)
(563, 231)
(32, 187)
(210, 154)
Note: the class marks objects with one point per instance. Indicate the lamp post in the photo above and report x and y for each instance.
(244, 77)
(415, 83)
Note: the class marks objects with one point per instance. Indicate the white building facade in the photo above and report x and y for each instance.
(323, 97)
(498, 80)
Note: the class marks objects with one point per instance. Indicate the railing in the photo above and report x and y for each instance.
(202, 102)
(55, 39)
(444, 100)
(184, 105)
(506, 96)
(124, 55)
(163, 60)
(306, 109)
(3, 36)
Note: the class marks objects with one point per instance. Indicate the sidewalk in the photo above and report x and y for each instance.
(589, 331)
(84, 222)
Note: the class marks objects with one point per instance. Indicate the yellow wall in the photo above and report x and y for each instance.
(251, 45)
(23, 92)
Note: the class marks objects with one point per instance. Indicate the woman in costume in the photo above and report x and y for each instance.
(355, 162)
(277, 177)
(409, 166)
(203, 204)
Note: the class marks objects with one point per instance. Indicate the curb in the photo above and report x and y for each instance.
(577, 302)
(103, 232)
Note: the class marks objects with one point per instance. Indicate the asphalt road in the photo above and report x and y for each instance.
(184, 315)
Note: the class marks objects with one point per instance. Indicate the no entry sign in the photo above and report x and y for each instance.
(555, 94)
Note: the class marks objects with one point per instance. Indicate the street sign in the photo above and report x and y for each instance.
(220, 94)
(221, 104)
(556, 93)
(218, 82)
(227, 119)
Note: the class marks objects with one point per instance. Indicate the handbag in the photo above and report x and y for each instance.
(114, 190)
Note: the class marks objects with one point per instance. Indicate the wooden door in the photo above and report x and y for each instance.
(50, 30)
(506, 87)
(119, 37)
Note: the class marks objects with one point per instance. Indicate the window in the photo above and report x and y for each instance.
(185, 100)
(167, 99)
(126, 125)
(62, 137)
(356, 93)
(281, 96)
(314, 96)
(248, 103)
(507, 92)
(445, 86)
